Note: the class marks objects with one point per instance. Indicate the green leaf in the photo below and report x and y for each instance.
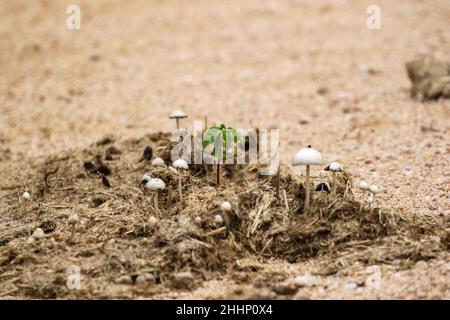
(220, 136)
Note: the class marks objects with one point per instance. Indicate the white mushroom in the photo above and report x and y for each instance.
(225, 207)
(38, 233)
(179, 165)
(26, 196)
(364, 186)
(322, 186)
(307, 156)
(158, 162)
(73, 221)
(177, 115)
(334, 167)
(24, 200)
(155, 184)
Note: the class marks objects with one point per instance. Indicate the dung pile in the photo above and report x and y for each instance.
(122, 236)
(430, 78)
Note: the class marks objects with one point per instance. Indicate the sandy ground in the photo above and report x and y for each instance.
(310, 68)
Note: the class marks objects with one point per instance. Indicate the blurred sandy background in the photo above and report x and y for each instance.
(311, 68)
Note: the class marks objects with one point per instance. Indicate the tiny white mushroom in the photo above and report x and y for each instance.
(26, 196)
(38, 233)
(24, 200)
(73, 220)
(158, 162)
(177, 115)
(155, 184)
(307, 156)
(364, 186)
(374, 189)
(225, 206)
(334, 167)
(322, 186)
(179, 165)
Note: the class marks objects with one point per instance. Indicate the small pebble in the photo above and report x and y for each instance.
(146, 277)
(407, 171)
(218, 219)
(305, 280)
(183, 279)
(197, 220)
(350, 285)
(38, 233)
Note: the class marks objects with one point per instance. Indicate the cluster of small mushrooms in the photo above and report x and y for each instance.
(309, 156)
(305, 156)
(373, 190)
(156, 184)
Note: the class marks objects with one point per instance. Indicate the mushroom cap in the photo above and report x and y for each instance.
(73, 219)
(226, 206)
(38, 233)
(364, 185)
(322, 186)
(145, 178)
(177, 114)
(307, 156)
(155, 184)
(180, 164)
(334, 166)
(158, 162)
(374, 189)
(26, 196)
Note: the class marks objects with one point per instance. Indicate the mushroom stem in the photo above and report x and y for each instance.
(72, 233)
(156, 204)
(278, 183)
(372, 205)
(218, 173)
(178, 123)
(180, 190)
(169, 196)
(308, 191)
(361, 203)
(206, 123)
(333, 186)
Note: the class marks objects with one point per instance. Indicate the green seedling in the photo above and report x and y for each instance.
(224, 140)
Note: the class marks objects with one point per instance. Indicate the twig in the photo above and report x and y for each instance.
(56, 206)
(286, 200)
(48, 174)
(5, 293)
(217, 231)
